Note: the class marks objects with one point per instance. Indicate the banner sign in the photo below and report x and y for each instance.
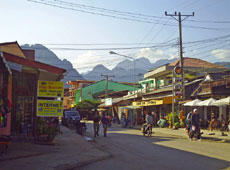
(50, 88)
(148, 103)
(49, 108)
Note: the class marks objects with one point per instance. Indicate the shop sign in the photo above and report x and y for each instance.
(108, 101)
(50, 88)
(14, 66)
(148, 103)
(49, 108)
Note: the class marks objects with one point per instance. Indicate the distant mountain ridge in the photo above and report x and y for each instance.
(44, 55)
(225, 64)
(124, 70)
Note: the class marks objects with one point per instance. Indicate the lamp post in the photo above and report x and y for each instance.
(134, 68)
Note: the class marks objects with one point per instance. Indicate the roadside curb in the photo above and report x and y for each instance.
(21, 157)
(205, 137)
(29, 155)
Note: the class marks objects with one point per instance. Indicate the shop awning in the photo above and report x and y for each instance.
(5, 63)
(208, 102)
(193, 103)
(46, 72)
(222, 102)
(33, 64)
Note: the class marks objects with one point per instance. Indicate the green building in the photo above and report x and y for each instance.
(92, 91)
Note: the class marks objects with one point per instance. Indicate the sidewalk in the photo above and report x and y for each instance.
(69, 151)
(215, 135)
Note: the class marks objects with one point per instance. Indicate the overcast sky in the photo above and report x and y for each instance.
(84, 31)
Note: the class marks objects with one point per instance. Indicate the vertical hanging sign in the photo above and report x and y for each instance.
(50, 88)
(47, 107)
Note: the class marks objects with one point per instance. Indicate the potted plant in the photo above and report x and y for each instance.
(176, 119)
(46, 131)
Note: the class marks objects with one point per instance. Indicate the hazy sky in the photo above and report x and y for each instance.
(86, 25)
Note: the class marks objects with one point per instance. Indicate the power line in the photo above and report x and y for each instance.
(129, 14)
(98, 49)
(89, 12)
(208, 40)
(212, 53)
(110, 10)
(207, 46)
(209, 21)
(189, 4)
(143, 20)
(210, 50)
(95, 44)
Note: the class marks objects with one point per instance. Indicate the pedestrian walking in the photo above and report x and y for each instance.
(105, 122)
(96, 123)
(223, 124)
(188, 123)
(195, 127)
(154, 119)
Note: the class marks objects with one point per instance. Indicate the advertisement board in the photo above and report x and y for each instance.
(49, 108)
(50, 88)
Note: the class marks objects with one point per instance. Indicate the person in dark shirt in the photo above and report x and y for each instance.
(96, 123)
(195, 127)
(105, 122)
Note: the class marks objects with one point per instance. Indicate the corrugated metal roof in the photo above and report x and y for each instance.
(195, 62)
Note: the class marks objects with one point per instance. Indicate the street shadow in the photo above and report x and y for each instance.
(175, 159)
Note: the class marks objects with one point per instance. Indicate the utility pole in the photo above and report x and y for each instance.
(106, 86)
(181, 46)
(181, 60)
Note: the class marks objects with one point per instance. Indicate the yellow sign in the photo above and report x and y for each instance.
(49, 108)
(148, 103)
(50, 88)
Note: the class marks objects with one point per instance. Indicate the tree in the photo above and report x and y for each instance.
(86, 108)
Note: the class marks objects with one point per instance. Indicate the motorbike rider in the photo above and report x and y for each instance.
(195, 127)
(149, 122)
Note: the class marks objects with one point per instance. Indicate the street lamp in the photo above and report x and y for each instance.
(134, 68)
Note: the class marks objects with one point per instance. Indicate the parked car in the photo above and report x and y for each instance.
(70, 117)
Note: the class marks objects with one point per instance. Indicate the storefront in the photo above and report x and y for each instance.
(23, 102)
(159, 107)
(5, 96)
(25, 76)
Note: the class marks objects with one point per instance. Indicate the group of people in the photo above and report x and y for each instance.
(98, 119)
(193, 124)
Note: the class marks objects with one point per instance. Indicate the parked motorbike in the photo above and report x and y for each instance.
(81, 128)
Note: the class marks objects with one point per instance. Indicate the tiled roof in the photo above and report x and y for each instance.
(195, 62)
